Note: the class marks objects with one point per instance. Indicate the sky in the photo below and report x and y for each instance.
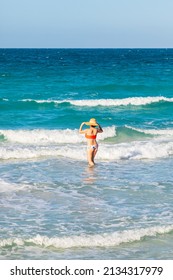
(86, 24)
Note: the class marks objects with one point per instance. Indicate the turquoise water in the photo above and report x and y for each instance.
(52, 206)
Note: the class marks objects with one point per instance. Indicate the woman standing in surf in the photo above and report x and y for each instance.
(91, 135)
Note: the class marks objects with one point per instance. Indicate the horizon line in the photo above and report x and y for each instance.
(86, 47)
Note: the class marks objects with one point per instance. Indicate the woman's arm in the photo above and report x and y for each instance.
(80, 128)
(99, 130)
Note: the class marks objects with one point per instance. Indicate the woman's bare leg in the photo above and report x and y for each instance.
(90, 157)
(94, 154)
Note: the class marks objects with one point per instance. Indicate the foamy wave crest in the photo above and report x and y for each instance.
(41, 101)
(98, 240)
(41, 136)
(136, 150)
(137, 101)
(33, 152)
(166, 132)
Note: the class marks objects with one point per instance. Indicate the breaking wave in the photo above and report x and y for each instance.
(166, 132)
(136, 150)
(30, 144)
(136, 101)
(56, 136)
(98, 240)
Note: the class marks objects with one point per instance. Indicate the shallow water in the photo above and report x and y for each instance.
(108, 211)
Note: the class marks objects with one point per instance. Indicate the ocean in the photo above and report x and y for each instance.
(52, 205)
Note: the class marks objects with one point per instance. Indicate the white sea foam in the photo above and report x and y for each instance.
(41, 136)
(108, 102)
(98, 240)
(32, 152)
(136, 150)
(40, 101)
(166, 132)
(150, 149)
(6, 186)
(28, 144)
